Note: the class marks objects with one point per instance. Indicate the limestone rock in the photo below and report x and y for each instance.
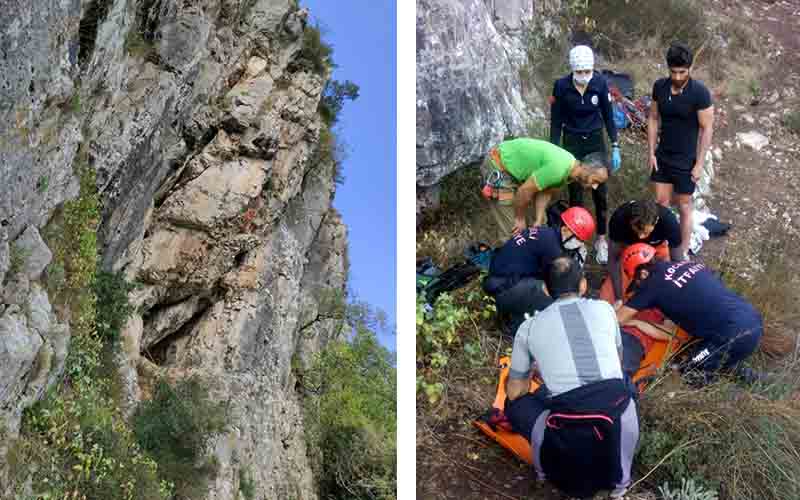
(469, 90)
(5, 256)
(753, 140)
(33, 252)
(18, 350)
(169, 320)
(218, 196)
(39, 130)
(200, 122)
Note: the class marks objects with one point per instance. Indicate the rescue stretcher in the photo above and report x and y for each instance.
(655, 358)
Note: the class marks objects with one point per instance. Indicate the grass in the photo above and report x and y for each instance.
(724, 437)
(18, 256)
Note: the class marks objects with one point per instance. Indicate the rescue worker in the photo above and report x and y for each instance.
(575, 344)
(520, 171)
(579, 107)
(516, 273)
(640, 221)
(681, 120)
(728, 326)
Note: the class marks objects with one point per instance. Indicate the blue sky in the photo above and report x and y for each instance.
(363, 36)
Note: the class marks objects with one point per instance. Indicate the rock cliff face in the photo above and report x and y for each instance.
(469, 91)
(200, 120)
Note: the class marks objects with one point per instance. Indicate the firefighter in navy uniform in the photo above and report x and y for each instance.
(516, 274)
(580, 107)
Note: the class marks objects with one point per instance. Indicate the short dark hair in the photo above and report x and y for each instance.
(644, 213)
(563, 276)
(679, 55)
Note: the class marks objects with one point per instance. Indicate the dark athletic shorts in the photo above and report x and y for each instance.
(680, 179)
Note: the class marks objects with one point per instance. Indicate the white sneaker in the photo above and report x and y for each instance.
(601, 251)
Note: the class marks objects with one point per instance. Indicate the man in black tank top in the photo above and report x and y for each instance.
(681, 122)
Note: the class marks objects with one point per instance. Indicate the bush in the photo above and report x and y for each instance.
(350, 402)
(316, 54)
(440, 338)
(79, 445)
(113, 308)
(174, 427)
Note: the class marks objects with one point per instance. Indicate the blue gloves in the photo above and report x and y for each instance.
(616, 161)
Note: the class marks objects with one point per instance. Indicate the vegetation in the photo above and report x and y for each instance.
(173, 428)
(725, 441)
(687, 491)
(75, 438)
(316, 54)
(334, 95)
(350, 402)
(791, 121)
(17, 258)
(113, 309)
(246, 485)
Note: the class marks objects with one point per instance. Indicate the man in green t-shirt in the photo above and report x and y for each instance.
(520, 171)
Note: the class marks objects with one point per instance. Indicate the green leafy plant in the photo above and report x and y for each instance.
(687, 491)
(246, 484)
(113, 308)
(174, 426)
(42, 184)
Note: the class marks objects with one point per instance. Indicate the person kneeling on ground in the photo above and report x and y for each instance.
(520, 171)
(516, 273)
(688, 293)
(582, 422)
(641, 221)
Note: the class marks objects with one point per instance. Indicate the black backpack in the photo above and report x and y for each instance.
(580, 453)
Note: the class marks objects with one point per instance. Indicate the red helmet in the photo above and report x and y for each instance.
(579, 221)
(636, 255)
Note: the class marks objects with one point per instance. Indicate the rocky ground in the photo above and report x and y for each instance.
(756, 158)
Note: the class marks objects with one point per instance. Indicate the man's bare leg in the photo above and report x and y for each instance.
(686, 209)
(663, 193)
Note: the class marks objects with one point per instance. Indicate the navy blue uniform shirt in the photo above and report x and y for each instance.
(580, 114)
(667, 228)
(694, 299)
(677, 142)
(527, 254)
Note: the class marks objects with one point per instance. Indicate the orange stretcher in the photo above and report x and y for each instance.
(655, 358)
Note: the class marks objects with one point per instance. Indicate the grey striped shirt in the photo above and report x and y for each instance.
(574, 342)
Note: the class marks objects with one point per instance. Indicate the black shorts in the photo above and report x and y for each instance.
(523, 411)
(681, 180)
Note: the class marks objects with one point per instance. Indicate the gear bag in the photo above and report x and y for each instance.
(581, 448)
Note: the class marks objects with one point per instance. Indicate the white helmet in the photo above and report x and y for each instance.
(581, 58)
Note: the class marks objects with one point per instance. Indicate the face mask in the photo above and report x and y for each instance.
(572, 243)
(581, 79)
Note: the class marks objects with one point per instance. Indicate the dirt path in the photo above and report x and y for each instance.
(756, 191)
